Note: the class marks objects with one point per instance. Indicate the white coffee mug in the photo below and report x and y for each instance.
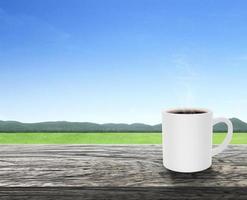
(187, 139)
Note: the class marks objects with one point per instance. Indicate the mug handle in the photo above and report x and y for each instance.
(228, 137)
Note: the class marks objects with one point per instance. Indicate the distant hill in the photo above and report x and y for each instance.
(64, 126)
(238, 126)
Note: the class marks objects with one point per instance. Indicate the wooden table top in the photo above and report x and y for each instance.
(115, 172)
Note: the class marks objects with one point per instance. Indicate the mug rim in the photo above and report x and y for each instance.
(169, 111)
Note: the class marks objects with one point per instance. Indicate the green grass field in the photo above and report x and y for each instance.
(99, 138)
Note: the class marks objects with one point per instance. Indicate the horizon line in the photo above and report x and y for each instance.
(93, 122)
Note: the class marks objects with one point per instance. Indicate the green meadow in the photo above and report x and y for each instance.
(100, 138)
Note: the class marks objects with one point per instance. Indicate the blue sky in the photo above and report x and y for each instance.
(121, 61)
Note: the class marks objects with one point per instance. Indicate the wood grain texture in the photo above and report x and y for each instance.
(123, 193)
(93, 171)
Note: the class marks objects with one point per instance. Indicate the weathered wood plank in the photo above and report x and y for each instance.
(123, 193)
(112, 166)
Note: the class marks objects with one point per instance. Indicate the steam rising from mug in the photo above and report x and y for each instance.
(186, 79)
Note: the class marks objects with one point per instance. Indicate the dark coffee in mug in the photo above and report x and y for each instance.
(187, 111)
